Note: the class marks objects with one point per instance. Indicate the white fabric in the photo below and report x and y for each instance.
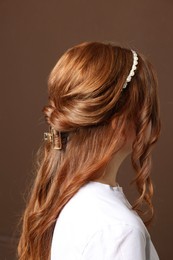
(98, 223)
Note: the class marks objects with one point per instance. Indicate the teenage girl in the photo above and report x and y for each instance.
(103, 106)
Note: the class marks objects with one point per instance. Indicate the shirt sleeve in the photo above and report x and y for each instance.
(116, 243)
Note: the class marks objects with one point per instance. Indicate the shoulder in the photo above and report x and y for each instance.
(92, 213)
(122, 241)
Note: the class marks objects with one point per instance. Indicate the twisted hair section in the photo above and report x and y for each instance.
(148, 115)
(84, 96)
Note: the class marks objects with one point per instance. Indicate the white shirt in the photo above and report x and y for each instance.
(98, 223)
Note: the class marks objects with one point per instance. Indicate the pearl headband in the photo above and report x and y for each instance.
(132, 72)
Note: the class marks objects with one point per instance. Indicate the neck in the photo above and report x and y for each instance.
(111, 171)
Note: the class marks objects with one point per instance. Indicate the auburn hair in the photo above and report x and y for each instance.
(84, 95)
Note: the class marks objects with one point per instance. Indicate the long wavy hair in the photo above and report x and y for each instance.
(85, 94)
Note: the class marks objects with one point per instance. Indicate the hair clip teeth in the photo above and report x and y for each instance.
(57, 142)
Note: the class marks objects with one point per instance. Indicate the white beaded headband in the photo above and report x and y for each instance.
(132, 72)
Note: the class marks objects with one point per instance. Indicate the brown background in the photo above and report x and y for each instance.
(33, 36)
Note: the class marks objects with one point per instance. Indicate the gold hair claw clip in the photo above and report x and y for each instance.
(54, 137)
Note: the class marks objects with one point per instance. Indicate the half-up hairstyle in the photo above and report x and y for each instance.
(85, 94)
